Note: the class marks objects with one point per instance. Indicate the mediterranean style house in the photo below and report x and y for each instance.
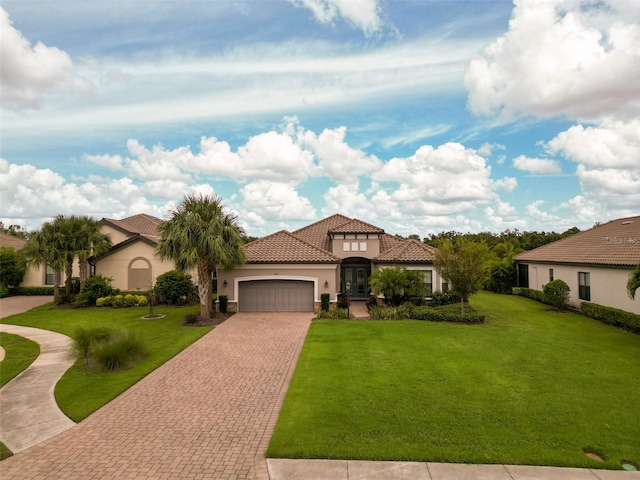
(288, 271)
(595, 264)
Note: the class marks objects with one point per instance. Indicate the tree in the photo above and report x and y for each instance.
(89, 241)
(502, 269)
(48, 246)
(397, 284)
(556, 293)
(12, 267)
(634, 282)
(202, 234)
(463, 264)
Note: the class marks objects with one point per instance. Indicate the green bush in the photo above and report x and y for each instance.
(175, 288)
(324, 302)
(142, 300)
(612, 316)
(537, 295)
(12, 267)
(439, 298)
(191, 318)
(32, 291)
(120, 351)
(556, 293)
(129, 300)
(410, 311)
(117, 301)
(337, 314)
(4, 290)
(85, 340)
(96, 287)
(224, 300)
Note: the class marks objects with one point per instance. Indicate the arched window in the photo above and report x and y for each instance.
(139, 274)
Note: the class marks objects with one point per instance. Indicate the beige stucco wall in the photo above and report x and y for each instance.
(359, 245)
(317, 273)
(608, 285)
(35, 276)
(116, 265)
(116, 235)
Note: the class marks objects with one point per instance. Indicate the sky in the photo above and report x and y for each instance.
(417, 116)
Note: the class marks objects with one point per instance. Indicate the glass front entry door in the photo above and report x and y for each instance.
(358, 277)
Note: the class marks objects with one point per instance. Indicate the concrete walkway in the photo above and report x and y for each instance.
(207, 413)
(29, 413)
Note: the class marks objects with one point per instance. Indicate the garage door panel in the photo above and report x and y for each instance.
(276, 296)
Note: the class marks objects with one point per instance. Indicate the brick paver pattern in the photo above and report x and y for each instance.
(206, 414)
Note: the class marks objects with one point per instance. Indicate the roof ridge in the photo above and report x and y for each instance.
(323, 220)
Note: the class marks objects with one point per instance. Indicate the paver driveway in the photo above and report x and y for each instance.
(207, 413)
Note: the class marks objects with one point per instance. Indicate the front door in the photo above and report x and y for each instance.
(357, 276)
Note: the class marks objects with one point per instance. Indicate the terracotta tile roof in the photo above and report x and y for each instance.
(7, 240)
(285, 247)
(408, 251)
(387, 242)
(615, 243)
(317, 233)
(143, 224)
(356, 226)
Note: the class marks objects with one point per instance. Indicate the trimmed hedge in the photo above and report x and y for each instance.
(324, 302)
(427, 313)
(337, 314)
(29, 291)
(537, 295)
(612, 316)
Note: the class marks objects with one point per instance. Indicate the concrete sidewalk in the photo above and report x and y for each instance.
(286, 469)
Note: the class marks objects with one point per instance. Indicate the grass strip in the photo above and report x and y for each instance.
(19, 353)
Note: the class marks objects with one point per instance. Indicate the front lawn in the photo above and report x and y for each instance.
(20, 352)
(529, 387)
(80, 392)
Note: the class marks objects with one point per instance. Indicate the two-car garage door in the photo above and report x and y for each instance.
(275, 296)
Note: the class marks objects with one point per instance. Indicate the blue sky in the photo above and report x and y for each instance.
(417, 116)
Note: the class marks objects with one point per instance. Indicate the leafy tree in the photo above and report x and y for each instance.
(634, 282)
(463, 264)
(556, 293)
(202, 234)
(397, 284)
(48, 246)
(12, 267)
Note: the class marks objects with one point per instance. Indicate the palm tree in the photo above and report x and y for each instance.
(634, 282)
(89, 241)
(202, 234)
(48, 246)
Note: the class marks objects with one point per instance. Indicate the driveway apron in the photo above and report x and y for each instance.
(207, 413)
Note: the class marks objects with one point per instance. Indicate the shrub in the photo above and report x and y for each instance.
(122, 350)
(612, 316)
(129, 300)
(4, 290)
(175, 288)
(29, 291)
(324, 302)
(96, 287)
(447, 315)
(191, 318)
(556, 293)
(85, 340)
(224, 300)
(337, 314)
(12, 267)
(537, 295)
(439, 298)
(142, 300)
(117, 301)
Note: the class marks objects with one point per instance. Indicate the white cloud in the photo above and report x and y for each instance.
(561, 57)
(362, 14)
(29, 72)
(113, 162)
(276, 201)
(502, 216)
(537, 165)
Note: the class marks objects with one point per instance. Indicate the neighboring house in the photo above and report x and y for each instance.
(38, 276)
(288, 271)
(131, 261)
(595, 264)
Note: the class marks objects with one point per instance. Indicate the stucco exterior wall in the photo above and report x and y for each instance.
(116, 235)
(116, 264)
(318, 273)
(356, 245)
(608, 285)
(35, 276)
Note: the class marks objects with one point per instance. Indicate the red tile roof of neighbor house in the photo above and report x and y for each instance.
(616, 243)
(284, 247)
(7, 240)
(406, 252)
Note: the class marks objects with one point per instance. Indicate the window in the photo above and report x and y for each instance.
(363, 246)
(346, 246)
(551, 274)
(584, 286)
(428, 282)
(523, 275)
(48, 275)
(354, 246)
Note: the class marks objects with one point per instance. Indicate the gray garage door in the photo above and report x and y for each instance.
(276, 296)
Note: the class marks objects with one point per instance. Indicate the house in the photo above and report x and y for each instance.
(131, 261)
(288, 271)
(595, 264)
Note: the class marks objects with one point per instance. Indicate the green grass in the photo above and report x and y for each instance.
(80, 392)
(529, 387)
(20, 352)
(4, 451)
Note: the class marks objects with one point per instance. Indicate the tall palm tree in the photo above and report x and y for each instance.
(89, 241)
(202, 234)
(48, 246)
(634, 282)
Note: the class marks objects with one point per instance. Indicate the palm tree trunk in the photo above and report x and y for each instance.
(67, 282)
(57, 275)
(84, 269)
(204, 291)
